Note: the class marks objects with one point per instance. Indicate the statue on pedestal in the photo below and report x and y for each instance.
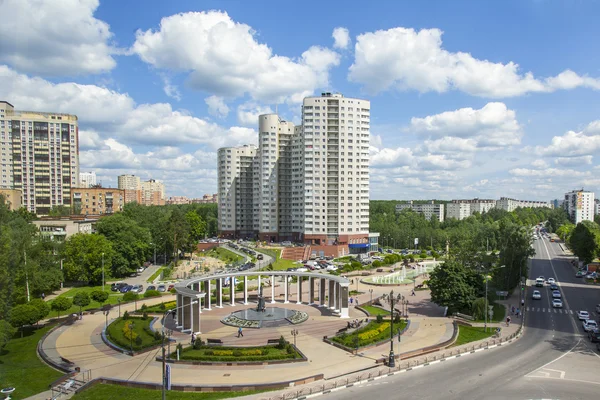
(260, 307)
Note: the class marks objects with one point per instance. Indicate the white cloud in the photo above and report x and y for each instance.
(539, 164)
(573, 161)
(113, 114)
(89, 139)
(247, 113)
(404, 59)
(55, 38)
(547, 173)
(217, 106)
(171, 90)
(225, 59)
(440, 161)
(341, 38)
(391, 157)
(573, 144)
(451, 146)
(492, 126)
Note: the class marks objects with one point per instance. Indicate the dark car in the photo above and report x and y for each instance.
(259, 257)
(125, 288)
(151, 287)
(554, 286)
(170, 287)
(594, 335)
(117, 286)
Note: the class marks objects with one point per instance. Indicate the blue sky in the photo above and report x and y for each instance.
(468, 98)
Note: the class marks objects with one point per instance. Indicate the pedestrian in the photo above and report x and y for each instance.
(351, 300)
(518, 312)
(193, 338)
(240, 332)
(507, 321)
(512, 310)
(413, 293)
(522, 303)
(43, 296)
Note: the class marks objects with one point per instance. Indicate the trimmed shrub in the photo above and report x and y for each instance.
(379, 318)
(99, 296)
(151, 293)
(130, 296)
(143, 307)
(126, 315)
(145, 316)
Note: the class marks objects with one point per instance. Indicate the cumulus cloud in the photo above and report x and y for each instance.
(451, 146)
(247, 113)
(341, 38)
(547, 172)
(405, 59)
(573, 144)
(539, 164)
(392, 157)
(492, 126)
(171, 90)
(573, 161)
(225, 59)
(217, 106)
(55, 38)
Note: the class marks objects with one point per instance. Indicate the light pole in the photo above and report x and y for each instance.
(487, 277)
(119, 301)
(103, 272)
(164, 364)
(294, 334)
(131, 337)
(371, 291)
(106, 319)
(391, 361)
(154, 252)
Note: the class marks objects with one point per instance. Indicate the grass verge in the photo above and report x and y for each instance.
(374, 311)
(143, 337)
(113, 298)
(467, 334)
(373, 332)
(223, 354)
(499, 313)
(227, 256)
(104, 391)
(22, 369)
(279, 264)
(154, 275)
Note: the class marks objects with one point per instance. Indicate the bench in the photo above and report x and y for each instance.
(68, 384)
(272, 341)
(66, 361)
(214, 341)
(341, 331)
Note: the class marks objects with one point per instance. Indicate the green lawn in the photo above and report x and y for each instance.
(140, 328)
(102, 392)
(154, 275)
(467, 334)
(227, 256)
(158, 309)
(499, 313)
(21, 368)
(280, 264)
(113, 298)
(374, 311)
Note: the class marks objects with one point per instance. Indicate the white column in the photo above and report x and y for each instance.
(245, 289)
(298, 289)
(220, 292)
(208, 298)
(232, 290)
(272, 288)
(258, 283)
(285, 290)
(335, 296)
(192, 314)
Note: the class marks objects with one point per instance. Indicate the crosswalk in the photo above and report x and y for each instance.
(555, 311)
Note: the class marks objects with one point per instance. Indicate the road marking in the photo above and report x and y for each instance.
(543, 310)
(571, 311)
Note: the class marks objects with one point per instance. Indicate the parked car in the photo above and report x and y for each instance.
(589, 324)
(557, 303)
(116, 286)
(162, 288)
(259, 256)
(332, 268)
(594, 335)
(137, 288)
(537, 295)
(170, 287)
(151, 287)
(579, 274)
(125, 288)
(302, 269)
(140, 269)
(583, 315)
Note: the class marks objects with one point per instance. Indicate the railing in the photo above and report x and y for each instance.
(325, 387)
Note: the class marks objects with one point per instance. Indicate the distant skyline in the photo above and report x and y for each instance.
(468, 99)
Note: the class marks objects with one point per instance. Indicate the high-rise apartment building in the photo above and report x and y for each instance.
(458, 209)
(40, 156)
(87, 179)
(307, 183)
(129, 182)
(427, 209)
(153, 193)
(579, 205)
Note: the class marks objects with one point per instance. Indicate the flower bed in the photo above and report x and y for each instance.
(237, 354)
(232, 320)
(298, 317)
(138, 338)
(372, 333)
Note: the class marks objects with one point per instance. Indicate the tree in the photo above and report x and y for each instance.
(584, 241)
(81, 299)
(478, 308)
(42, 308)
(451, 286)
(197, 229)
(83, 258)
(7, 331)
(23, 314)
(61, 303)
(565, 231)
(99, 296)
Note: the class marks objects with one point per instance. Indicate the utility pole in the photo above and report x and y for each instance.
(61, 270)
(103, 272)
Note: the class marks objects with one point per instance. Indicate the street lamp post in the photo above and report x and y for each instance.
(294, 334)
(119, 301)
(487, 277)
(131, 337)
(106, 319)
(371, 291)
(392, 361)
(61, 271)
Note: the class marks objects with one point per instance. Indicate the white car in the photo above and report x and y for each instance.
(557, 303)
(537, 295)
(140, 269)
(583, 315)
(302, 269)
(551, 281)
(556, 294)
(331, 268)
(589, 324)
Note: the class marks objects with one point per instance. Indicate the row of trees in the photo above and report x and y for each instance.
(583, 239)
(477, 246)
(31, 265)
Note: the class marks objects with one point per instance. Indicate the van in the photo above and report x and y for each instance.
(539, 282)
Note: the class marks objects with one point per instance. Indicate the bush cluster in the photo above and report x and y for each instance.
(151, 293)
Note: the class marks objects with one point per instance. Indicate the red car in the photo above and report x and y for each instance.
(170, 287)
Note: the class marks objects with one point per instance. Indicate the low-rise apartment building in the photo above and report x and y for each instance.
(98, 201)
(13, 198)
(428, 210)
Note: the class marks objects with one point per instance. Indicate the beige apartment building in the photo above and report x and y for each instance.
(61, 228)
(13, 198)
(98, 201)
(307, 183)
(40, 156)
(148, 193)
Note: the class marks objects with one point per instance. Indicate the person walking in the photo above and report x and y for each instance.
(193, 338)
(522, 303)
(351, 300)
(507, 321)
(413, 293)
(512, 310)
(240, 333)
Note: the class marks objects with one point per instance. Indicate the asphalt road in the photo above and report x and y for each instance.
(552, 360)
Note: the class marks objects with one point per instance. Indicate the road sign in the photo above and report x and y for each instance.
(501, 293)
